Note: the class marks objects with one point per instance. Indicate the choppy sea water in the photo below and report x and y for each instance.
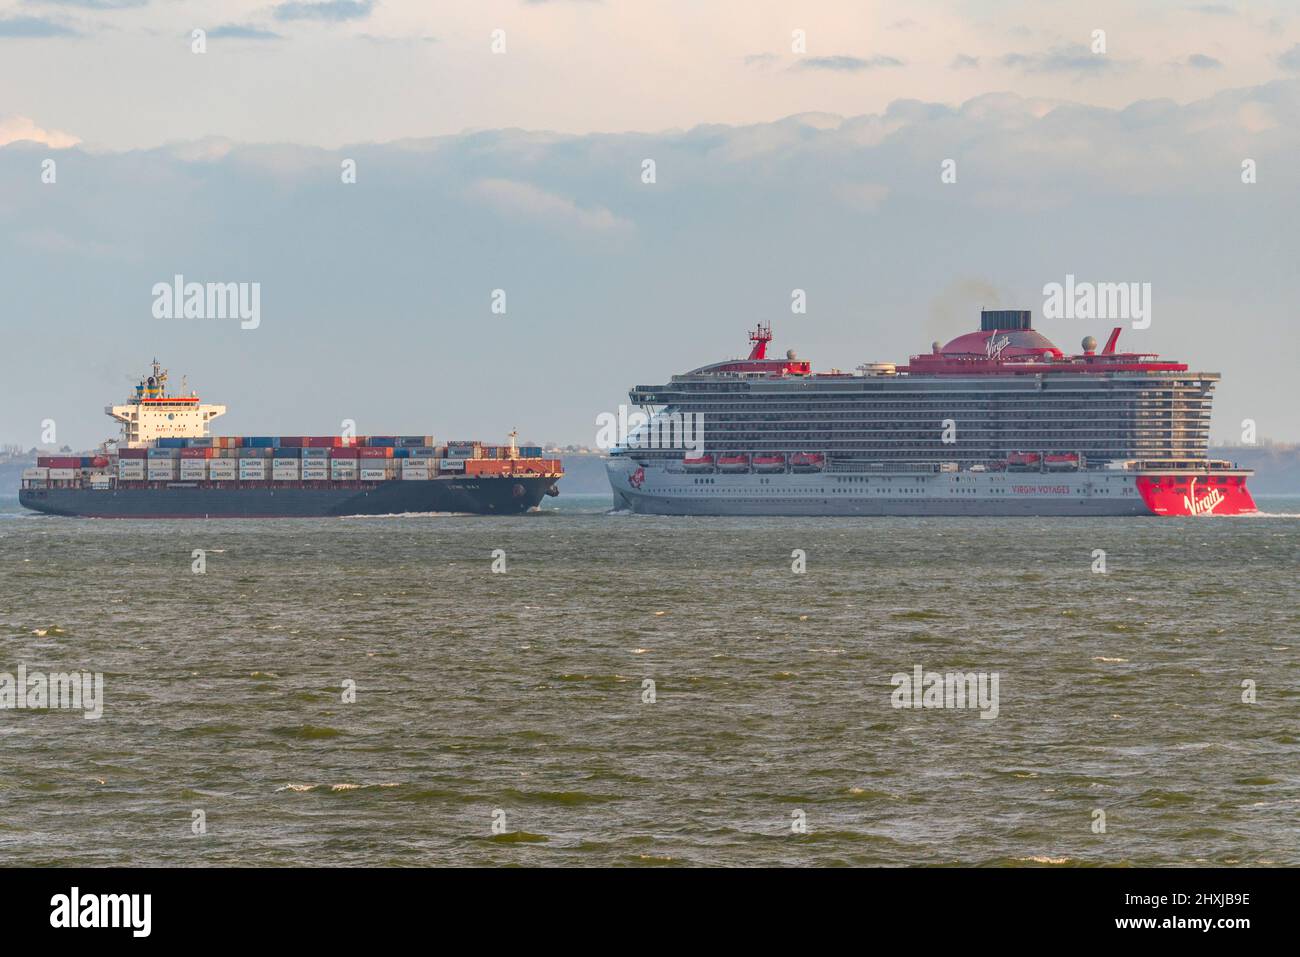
(519, 698)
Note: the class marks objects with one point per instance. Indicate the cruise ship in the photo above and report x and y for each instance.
(997, 422)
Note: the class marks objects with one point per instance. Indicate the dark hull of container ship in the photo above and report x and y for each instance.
(480, 496)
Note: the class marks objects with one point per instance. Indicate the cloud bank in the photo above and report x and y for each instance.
(376, 294)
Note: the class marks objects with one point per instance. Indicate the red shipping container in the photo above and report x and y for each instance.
(376, 452)
(196, 453)
(62, 461)
(337, 453)
(292, 441)
(132, 453)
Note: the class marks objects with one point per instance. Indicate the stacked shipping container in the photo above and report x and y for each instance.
(298, 458)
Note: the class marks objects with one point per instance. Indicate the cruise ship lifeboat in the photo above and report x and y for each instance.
(807, 462)
(1061, 461)
(1024, 461)
(700, 463)
(733, 462)
(769, 463)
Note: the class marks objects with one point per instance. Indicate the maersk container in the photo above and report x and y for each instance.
(451, 465)
(315, 452)
(223, 470)
(164, 453)
(170, 443)
(282, 464)
(374, 475)
(382, 441)
(288, 452)
(200, 442)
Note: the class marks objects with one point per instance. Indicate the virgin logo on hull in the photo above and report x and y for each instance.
(637, 478)
(1203, 505)
(1163, 498)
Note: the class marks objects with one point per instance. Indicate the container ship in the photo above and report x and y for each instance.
(997, 422)
(167, 465)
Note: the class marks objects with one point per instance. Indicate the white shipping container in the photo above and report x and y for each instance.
(374, 475)
(255, 475)
(194, 469)
(100, 481)
(284, 475)
(62, 474)
(222, 473)
(37, 473)
(284, 463)
(415, 475)
(315, 475)
(451, 465)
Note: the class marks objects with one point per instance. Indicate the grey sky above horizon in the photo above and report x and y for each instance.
(775, 170)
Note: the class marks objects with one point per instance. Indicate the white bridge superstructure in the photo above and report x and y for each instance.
(152, 414)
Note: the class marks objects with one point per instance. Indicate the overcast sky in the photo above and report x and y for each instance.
(775, 170)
